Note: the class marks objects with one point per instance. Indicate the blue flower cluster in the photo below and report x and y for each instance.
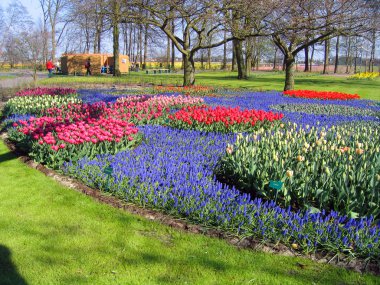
(93, 95)
(15, 118)
(172, 170)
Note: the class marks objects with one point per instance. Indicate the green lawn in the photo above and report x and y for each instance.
(54, 235)
(3, 77)
(367, 89)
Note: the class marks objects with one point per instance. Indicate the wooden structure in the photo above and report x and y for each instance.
(75, 63)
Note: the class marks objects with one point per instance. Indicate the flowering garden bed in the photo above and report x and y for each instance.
(323, 95)
(168, 152)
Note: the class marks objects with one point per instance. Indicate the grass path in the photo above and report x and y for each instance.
(367, 89)
(50, 234)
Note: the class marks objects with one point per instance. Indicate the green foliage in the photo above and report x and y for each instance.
(72, 152)
(335, 170)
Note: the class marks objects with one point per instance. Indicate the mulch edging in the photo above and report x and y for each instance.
(356, 265)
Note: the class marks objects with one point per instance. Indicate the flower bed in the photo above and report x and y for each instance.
(164, 101)
(39, 91)
(323, 95)
(174, 169)
(36, 104)
(222, 119)
(265, 101)
(187, 90)
(329, 110)
(52, 140)
(72, 131)
(335, 170)
(364, 75)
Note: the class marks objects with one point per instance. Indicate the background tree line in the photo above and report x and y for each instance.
(242, 33)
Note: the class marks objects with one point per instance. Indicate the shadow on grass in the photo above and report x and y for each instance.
(8, 271)
(6, 156)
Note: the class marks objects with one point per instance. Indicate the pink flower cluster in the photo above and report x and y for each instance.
(54, 132)
(39, 91)
(164, 101)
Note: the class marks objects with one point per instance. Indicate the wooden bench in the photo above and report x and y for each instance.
(157, 71)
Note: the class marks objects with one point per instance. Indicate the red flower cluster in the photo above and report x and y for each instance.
(227, 116)
(39, 91)
(323, 95)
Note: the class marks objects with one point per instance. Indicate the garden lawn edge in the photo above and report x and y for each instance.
(357, 265)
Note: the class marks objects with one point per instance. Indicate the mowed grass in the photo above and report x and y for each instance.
(54, 235)
(261, 81)
(4, 77)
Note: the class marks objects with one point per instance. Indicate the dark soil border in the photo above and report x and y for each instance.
(342, 261)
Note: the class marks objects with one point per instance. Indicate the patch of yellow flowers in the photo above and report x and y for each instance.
(365, 75)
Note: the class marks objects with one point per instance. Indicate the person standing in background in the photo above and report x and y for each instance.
(88, 67)
(49, 67)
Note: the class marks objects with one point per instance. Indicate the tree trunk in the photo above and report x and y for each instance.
(224, 64)
(356, 56)
(53, 43)
(99, 42)
(115, 33)
(289, 72)
(145, 45)
(248, 58)
(238, 48)
(209, 58)
(275, 59)
(233, 66)
(173, 48)
(306, 59)
(189, 70)
(141, 44)
(168, 52)
(326, 56)
(311, 57)
(130, 43)
(348, 59)
(202, 60)
(373, 50)
(248, 64)
(336, 55)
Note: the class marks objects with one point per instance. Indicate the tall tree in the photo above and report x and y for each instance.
(116, 18)
(201, 19)
(295, 28)
(224, 63)
(336, 55)
(13, 27)
(326, 56)
(306, 69)
(54, 11)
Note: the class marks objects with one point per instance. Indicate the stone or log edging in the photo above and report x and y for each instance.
(343, 261)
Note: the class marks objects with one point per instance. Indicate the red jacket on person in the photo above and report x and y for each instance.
(49, 65)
